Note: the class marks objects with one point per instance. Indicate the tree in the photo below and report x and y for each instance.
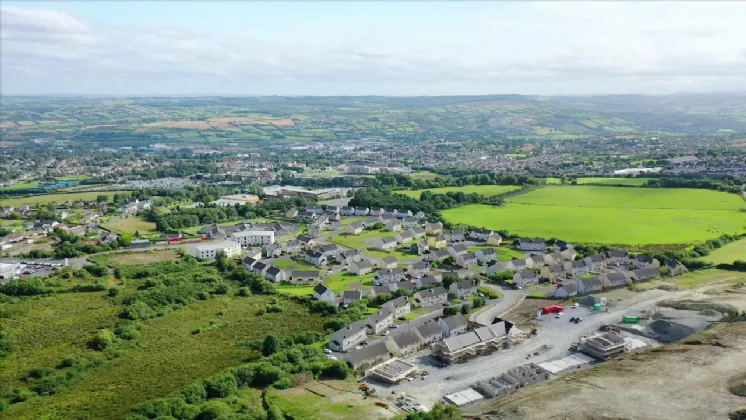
(465, 308)
(101, 198)
(271, 345)
(221, 261)
(449, 280)
(103, 339)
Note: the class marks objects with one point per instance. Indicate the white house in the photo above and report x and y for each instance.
(595, 262)
(275, 275)
(399, 306)
(466, 259)
(566, 291)
(385, 244)
(617, 257)
(430, 332)
(418, 269)
(406, 237)
(350, 296)
(348, 337)
(532, 244)
(526, 278)
(355, 228)
(486, 255)
(210, 251)
(361, 211)
(426, 281)
(393, 225)
(463, 289)
(644, 261)
(388, 262)
(304, 277)
(379, 321)
(330, 250)
(453, 325)
(481, 235)
(321, 292)
(458, 249)
(316, 258)
(454, 235)
(360, 267)
(554, 272)
(249, 238)
(430, 297)
(434, 228)
(347, 211)
(388, 276)
(591, 285)
(576, 268)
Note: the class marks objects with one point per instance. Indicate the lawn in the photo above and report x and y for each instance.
(635, 182)
(165, 358)
(727, 254)
(694, 279)
(339, 282)
(140, 258)
(400, 255)
(503, 253)
(487, 190)
(632, 216)
(20, 186)
(290, 264)
(324, 400)
(43, 199)
(423, 175)
(362, 240)
(130, 224)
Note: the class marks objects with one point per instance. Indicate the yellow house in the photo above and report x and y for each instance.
(437, 243)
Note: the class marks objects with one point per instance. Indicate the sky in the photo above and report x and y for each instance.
(392, 48)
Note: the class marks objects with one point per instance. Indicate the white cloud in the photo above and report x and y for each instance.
(538, 48)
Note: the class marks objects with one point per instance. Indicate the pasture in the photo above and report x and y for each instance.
(59, 198)
(632, 182)
(727, 254)
(487, 190)
(631, 216)
(130, 225)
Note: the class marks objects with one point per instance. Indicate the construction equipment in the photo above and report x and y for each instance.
(630, 319)
(533, 331)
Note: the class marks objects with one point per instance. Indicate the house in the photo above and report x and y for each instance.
(419, 232)
(326, 294)
(591, 285)
(569, 254)
(454, 235)
(272, 250)
(377, 211)
(275, 275)
(612, 280)
(210, 251)
(458, 249)
(418, 269)
(393, 225)
(554, 272)
(525, 278)
(379, 321)
(430, 297)
(306, 242)
(332, 215)
(348, 337)
(437, 242)
(355, 228)
(399, 306)
(248, 262)
(554, 258)
(385, 244)
(497, 268)
(406, 237)
(406, 285)
(434, 228)
(532, 244)
(567, 291)
(259, 267)
(463, 289)
(480, 235)
(617, 257)
(293, 247)
(350, 256)
(595, 262)
(361, 211)
(316, 258)
(388, 262)
(255, 253)
(351, 296)
(644, 274)
(291, 214)
(406, 343)
(369, 356)
(466, 260)
(347, 211)
(453, 325)
(361, 267)
(675, 267)
(385, 289)
(438, 255)
(307, 216)
(304, 277)
(430, 332)
(486, 255)
(560, 245)
(370, 221)
(426, 281)
(249, 238)
(644, 261)
(388, 276)
(330, 250)
(418, 248)
(419, 215)
(576, 268)
(535, 261)
(517, 264)
(409, 222)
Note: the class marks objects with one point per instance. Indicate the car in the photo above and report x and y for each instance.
(575, 305)
(393, 326)
(329, 271)
(579, 320)
(559, 315)
(572, 319)
(385, 333)
(330, 357)
(327, 351)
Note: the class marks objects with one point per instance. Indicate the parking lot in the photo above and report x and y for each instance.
(35, 268)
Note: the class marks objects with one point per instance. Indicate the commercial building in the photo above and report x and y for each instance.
(209, 251)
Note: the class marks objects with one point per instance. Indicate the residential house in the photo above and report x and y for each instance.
(434, 228)
(347, 211)
(560, 245)
(249, 238)
(370, 221)
(419, 232)
(454, 235)
(210, 251)
(453, 325)
(480, 235)
(406, 237)
(332, 215)
(259, 267)
(275, 275)
(377, 211)
(525, 278)
(431, 297)
(613, 280)
(566, 291)
(463, 289)
(388, 276)
(617, 257)
(272, 250)
(350, 256)
(307, 216)
(644, 261)
(291, 214)
(351, 296)
(569, 254)
(379, 321)
(517, 264)
(355, 228)
(532, 244)
(497, 268)
(385, 244)
(248, 262)
(535, 261)
(388, 262)
(409, 222)
(467, 259)
(576, 268)
(419, 215)
(385, 289)
(361, 211)
(591, 285)
(419, 248)
(406, 285)
(595, 262)
(554, 258)
(369, 356)
(304, 277)
(316, 258)
(430, 332)
(418, 269)
(675, 267)
(348, 337)
(554, 272)
(426, 281)
(406, 343)
(293, 247)
(487, 255)
(330, 250)
(255, 253)
(458, 249)
(361, 267)
(437, 242)
(399, 306)
(393, 225)
(644, 274)
(438, 255)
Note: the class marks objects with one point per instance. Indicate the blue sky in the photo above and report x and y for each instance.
(380, 48)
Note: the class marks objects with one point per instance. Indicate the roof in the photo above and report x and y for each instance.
(537, 258)
(616, 254)
(273, 270)
(407, 234)
(597, 258)
(556, 255)
(389, 240)
(217, 246)
(528, 274)
(518, 262)
(386, 288)
(591, 282)
(409, 338)
(305, 273)
(458, 342)
(490, 332)
(304, 238)
(532, 240)
(428, 280)
(396, 303)
(357, 225)
(616, 279)
(314, 254)
(579, 263)
(329, 247)
(460, 248)
(429, 329)
(363, 264)
(482, 231)
(673, 263)
(435, 291)
(320, 289)
(259, 266)
(455, 321)
(488, 251)
(647, 273)
(468, 256)
(353, 328)
(556, 268)
(419, 266)
(382, 314)
(391, 271)
(570, 288)
(644, 258)
(467, 284)
(248, 261)
(352, 294)
(366, 353)
(405, 284)
(389, 259)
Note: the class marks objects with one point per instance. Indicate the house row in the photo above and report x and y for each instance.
(347, 338)
(279, 275)
(605, 281)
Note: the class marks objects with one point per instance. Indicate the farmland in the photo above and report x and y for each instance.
(131, 225)
(727, 254)
(585, 214)
(50, 198)
(633, 182)
(487, 190)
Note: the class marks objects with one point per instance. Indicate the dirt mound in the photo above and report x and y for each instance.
(696, 305)
(737, 385)
(668, 332)
(668, 287)
(709, 312)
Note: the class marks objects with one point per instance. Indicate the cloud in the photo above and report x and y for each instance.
(536, 48)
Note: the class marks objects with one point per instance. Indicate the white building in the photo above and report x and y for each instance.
(8, 271)
(248, 238)
(209, 251)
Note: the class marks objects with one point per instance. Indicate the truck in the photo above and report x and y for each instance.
(552, 309)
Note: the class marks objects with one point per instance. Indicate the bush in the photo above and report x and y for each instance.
(103, 340)
(98, 270)
(244, 291)
(29, 286)
(113, 292)
(450, 310)
(215, 410)
(127, 330)
(222, 289)
(194, 393)
(221, 385)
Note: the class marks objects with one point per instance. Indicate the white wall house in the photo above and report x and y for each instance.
(248, 238)
(209, 251)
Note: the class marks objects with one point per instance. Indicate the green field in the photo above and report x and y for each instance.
(503, 253)
(634, 182)
(290, 264)
(130, 225)
(487, 190)
(43, 199)
(632, 216)
(362, 240)
(423, 175)
(727, 254)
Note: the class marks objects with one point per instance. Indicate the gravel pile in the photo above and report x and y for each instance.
(668, 332)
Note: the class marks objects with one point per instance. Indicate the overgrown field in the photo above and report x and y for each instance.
(61, 198)
(635, 182)
(130, 225)
(614, 215)
(727, 254)
(487, 190)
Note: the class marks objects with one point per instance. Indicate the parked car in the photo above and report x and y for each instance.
(327, 351)
(559, 315)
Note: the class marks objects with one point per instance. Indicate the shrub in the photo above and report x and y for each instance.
(21, 395)
(194, 393)
(28, 286)
(244, 291)
(222, 289)
(127, 330)
(221, 385)
(103, 339)
(113, 292)
(215, 410)
(450, 310)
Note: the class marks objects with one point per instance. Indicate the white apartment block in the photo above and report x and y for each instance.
(249, 238)
(209, 251)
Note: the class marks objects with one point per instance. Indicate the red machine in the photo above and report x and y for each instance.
(552, 309)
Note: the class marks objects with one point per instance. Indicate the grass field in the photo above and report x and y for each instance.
(487, 190)
(503, 253)
(290, 264)
(43, 199)
(131, 225)
(362, 240)
(635, 182)
(727, 254)
(141, 258)
(324, 400)
(695, 279)
(632, 216)
(423, 175)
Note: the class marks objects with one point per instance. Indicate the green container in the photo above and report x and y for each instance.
(597, 307)
(630, 319)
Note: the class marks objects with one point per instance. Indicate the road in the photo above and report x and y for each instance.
(558, 334)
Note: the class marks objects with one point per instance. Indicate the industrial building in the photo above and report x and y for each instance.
(603, 346)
